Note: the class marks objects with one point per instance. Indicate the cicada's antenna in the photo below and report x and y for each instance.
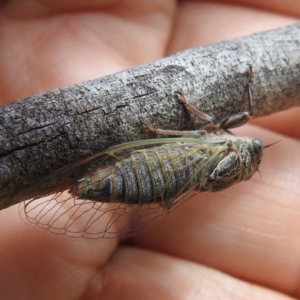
(261, 178)
(267, 146)
(271, 144)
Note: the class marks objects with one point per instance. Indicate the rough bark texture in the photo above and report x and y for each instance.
(43, 133)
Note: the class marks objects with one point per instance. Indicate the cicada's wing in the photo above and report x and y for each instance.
(67, 215)
(50, 205)
(64, 212)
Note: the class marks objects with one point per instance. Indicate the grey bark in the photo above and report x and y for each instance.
(43, 133)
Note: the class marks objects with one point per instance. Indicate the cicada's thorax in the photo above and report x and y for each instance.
(162, 173)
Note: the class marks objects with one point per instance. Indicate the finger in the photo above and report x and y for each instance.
(53, 46)
(201, 23)
(249, 231)
(284, 122)
(35, 265)
(288, 7)
(134, 272)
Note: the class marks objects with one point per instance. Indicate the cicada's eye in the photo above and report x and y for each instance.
(258, 146)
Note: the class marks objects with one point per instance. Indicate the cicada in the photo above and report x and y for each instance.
(126, 189)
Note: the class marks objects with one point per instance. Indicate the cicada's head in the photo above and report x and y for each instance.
(251, 153)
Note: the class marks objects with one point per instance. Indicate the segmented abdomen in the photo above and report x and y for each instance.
(147, 176)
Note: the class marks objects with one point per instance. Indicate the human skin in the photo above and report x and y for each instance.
(241, 243)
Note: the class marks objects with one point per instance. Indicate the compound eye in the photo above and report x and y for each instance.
(258, 146)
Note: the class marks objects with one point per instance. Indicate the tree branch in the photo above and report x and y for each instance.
(43, 133)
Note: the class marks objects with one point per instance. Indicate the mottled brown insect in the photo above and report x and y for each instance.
(126, 189)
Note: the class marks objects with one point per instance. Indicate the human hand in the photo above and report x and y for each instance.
(237, 244)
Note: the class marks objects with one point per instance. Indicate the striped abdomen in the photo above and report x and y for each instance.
(147, 176)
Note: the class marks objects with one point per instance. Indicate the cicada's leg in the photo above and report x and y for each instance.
(239, 119)
(234, 120)
(213, 123)
(195, 133)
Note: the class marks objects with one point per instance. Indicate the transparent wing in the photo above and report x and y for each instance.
(64, 214)
(58, 210)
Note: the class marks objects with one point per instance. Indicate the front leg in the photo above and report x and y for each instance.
(241, 118)
(232, 121)
(213, 123)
